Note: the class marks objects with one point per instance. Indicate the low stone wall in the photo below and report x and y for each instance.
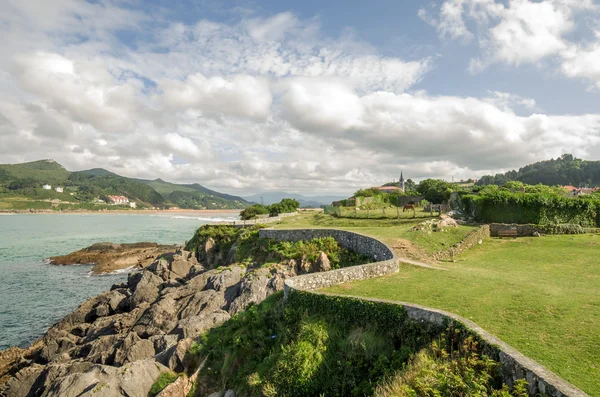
(353, 241)
(514, 365)
(259, 221)
(470, 240)
(522, 230)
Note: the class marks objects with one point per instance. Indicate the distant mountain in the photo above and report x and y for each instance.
(26, 180)
(305, 201)
(564, 170)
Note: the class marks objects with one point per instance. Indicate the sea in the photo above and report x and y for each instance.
(34, 294)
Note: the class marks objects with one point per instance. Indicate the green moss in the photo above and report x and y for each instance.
(164, 380)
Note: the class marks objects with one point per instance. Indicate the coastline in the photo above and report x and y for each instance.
(120, 211)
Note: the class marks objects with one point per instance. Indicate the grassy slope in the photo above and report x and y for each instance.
(540, 295)
(42, 171)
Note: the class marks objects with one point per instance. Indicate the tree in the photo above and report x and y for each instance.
(284, 206)
(253, 211)
(435, 191)
(410, 185)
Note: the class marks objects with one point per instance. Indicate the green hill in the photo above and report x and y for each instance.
(34, 173)
(564, 170)
(21, 188)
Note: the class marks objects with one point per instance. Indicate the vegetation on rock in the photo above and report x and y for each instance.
(231, 244)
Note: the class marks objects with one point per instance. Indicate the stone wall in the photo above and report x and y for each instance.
(522, 230)
(259, 221)
(353, 241)
(514, 365)
(470, 240)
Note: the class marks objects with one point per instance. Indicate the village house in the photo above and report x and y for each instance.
(47, 187)
(59, 189)
(132, 205)
(118, 199)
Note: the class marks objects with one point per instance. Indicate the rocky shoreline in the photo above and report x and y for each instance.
(109, 257)
(119, 342)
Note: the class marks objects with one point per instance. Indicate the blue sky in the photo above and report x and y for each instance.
(311, 97)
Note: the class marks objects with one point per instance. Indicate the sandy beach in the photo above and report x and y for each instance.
(125, 211)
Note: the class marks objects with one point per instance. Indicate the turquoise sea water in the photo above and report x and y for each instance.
(34, 295)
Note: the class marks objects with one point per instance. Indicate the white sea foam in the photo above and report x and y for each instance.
(118, 271)
(206, 219)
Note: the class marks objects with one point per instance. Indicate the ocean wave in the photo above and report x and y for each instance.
(205, 219)
(118, 271)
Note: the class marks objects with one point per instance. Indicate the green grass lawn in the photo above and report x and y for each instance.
(540, 295)
(387, 230)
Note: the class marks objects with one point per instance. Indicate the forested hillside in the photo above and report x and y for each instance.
(21, 184)
(564, 170)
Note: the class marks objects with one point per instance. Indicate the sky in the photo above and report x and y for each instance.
(309, 96)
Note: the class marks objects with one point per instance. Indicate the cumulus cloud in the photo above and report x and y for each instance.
(266, 102)
(519, 32)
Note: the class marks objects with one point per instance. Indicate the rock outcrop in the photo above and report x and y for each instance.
(109, 257)
(119, 342)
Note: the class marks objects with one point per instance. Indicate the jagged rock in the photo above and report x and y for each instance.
(101, 350)
(163, 342)
(160, 267)
(305, 265)
(132, 380)
(159, 318)
(174, 356)
(191, 327)
(322, 264)
(23, 382)
(146, 290)
(228, 281)
(209, 251)
(195, 270)
(133, 349)
(180, 265)
(202, 301)
(102, 310)
(56, 342)
(253, 290)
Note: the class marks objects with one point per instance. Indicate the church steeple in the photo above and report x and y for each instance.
(401, 182)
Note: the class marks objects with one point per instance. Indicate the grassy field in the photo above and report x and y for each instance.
(540, 295)
(387, 230)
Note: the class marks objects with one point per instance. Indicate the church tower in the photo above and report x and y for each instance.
(401, 182)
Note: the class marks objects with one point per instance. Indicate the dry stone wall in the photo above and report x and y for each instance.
(472, 239)
(514, 365)
(522, 230)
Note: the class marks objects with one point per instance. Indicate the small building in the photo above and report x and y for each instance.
(132, 204)
(389, 189)
(59, 189)
(118, 199)
(47, 187)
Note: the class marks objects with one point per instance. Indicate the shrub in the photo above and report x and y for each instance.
(435, 190)
(253, 211)
(503, 206)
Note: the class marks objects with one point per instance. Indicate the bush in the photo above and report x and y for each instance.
(547, 208)
(338, 346)
(253, 211)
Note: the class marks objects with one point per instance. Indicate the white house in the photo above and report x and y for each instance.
(47, 187)
(118, 199)
(132, 204)
(59, 189)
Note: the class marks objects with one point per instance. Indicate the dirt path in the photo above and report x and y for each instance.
(411, 254)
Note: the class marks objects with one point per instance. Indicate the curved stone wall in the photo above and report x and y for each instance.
(514, 364)
(388, 263)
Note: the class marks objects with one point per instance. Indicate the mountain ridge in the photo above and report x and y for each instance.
(89, 186)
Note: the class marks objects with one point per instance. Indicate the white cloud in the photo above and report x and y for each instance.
(261, 103)
(519, 32)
